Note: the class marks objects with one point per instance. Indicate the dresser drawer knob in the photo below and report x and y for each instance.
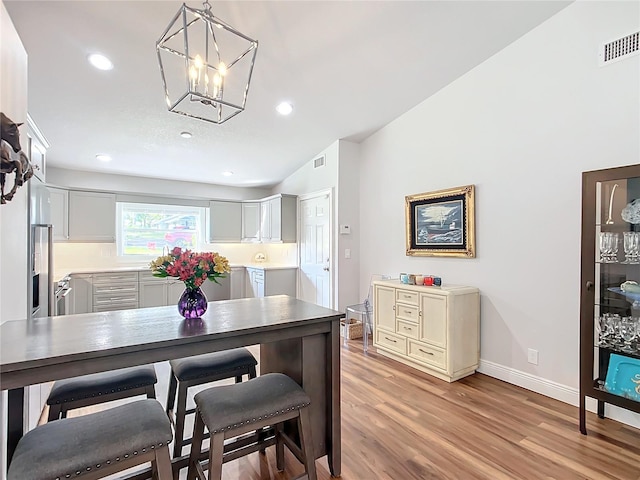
(390, 339)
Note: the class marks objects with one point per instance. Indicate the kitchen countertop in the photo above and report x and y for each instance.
(61, 273)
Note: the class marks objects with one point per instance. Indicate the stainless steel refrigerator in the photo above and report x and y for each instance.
(41, 288)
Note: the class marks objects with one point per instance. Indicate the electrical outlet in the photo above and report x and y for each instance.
(347, 253)
(532, 356)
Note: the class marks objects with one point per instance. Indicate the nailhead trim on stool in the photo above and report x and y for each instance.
(232, 410)
(97, 388)
(191, 371)
(95, 443)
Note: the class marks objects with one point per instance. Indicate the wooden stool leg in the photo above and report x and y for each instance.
(163, 464)
(180, 414)
(238, 378)
(171, 397)
(279, 448)
(54, 412)
(196, 446)
(216, 454)
(252, 371)
(151, 391)
(306, 442)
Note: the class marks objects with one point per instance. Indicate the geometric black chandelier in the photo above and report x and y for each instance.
(206, 65)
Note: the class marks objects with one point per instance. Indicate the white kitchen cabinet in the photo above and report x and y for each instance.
(59, 198)
(225, 221)
(152, 291)
(433, 329)
(92, 217)
(174, 291)
(278, 219)
(263, 282)
(81, 293)
(115, 291)
(237, 282)
(251, 222)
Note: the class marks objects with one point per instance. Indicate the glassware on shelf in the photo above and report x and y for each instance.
(609, 242)
(628, 330)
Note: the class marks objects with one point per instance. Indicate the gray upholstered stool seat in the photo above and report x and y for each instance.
(96, 445)
(192, 371)
(99, 388)
(233, 410)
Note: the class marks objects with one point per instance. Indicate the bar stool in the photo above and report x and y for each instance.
(99, 388)
(192, 371)
(233, 410)
(96, 445)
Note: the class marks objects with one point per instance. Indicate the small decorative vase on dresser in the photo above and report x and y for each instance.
(433, 329)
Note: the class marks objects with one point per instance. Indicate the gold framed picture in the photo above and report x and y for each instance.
(441, 223)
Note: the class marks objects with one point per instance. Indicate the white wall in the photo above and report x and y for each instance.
(340, 174)
(13, 215)
(522, 127)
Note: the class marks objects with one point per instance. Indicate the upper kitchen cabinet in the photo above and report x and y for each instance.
(37, 149)
(92, 217)
(225, 222)
(250, 221)
(278, 219)
(59, 198)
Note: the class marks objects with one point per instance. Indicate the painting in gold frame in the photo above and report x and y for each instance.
(441, 223)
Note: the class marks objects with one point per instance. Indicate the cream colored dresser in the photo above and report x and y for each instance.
(433, 329)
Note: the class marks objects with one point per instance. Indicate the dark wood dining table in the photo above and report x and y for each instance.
(297, 338)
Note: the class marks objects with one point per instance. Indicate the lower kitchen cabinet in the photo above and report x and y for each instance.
(81, 293)
(115, 291)
(263, 282)
(159, 292)
(433, 329)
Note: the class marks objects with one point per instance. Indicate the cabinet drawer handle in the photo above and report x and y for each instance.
(408, 312)
(407, 328)
(391, 339)
(424, 351)
(407, 296)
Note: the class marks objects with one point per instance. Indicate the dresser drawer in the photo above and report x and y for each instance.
(391, 341)
(107, 289)
(407, 312)
(407, 329)
(427, 354)
(407, 296)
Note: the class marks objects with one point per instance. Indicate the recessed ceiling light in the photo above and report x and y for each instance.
(100, 61)
(227, 173)
(185, 134)
(284, 108)
(103, 158)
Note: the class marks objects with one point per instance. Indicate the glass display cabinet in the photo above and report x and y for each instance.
(610, 290)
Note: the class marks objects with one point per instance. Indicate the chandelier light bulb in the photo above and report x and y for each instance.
(198, 62)
(222, 68)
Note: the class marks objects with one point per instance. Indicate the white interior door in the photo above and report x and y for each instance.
(315, 250)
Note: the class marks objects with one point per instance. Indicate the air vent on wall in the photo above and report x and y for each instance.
(318, 162)
(619, 49)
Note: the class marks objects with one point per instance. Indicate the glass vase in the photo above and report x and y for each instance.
(192, 303)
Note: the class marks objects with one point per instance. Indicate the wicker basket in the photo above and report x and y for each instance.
(351, 328)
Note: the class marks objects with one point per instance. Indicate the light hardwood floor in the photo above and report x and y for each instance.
(401, 424)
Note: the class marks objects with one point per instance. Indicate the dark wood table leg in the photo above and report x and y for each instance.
(333, 401)
(15, 427)
(583, 415)
(600, 409)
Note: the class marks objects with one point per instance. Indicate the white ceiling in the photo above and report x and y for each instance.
(348, 67)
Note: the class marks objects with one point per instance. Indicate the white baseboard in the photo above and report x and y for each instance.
(554, 390)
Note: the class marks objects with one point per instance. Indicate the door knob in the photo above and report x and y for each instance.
(326, 269)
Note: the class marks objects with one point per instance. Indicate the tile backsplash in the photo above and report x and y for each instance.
(70, 256)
